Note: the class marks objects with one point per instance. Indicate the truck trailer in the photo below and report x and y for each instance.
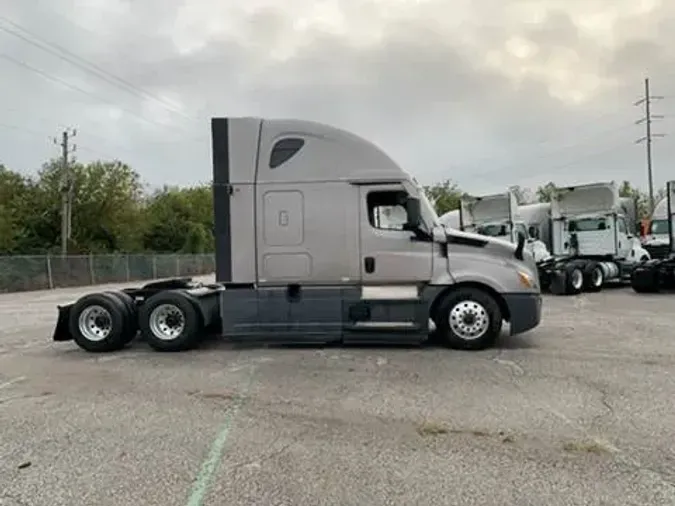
(320, 237)
(498, 216)
(591, 233)
(659, 274)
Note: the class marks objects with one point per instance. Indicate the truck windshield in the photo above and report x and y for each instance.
(493, 230)
(659, 227)
(587, 224)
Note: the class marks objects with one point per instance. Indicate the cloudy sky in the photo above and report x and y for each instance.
(488, 93)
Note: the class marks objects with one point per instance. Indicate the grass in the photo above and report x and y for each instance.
(586, 447)
(430, 428)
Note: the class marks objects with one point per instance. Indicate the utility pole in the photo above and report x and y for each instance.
(647, 139)
(66, 188)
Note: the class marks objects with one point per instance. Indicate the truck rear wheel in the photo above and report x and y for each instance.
(575, 279)
(131, 313)
(169, 322)
(468, 319)
(594, 277)
(98, 323)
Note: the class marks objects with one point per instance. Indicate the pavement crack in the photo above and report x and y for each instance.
(515, 368)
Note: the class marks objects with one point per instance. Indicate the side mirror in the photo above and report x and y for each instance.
(534, 232)
(414, 212)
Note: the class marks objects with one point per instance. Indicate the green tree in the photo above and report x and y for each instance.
(180, 220)
(106, 213)
(627, 190)
(445, 196)
(19, 210)
(546, 192)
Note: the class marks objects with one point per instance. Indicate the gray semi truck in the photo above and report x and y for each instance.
(659, 274)
(320, 237)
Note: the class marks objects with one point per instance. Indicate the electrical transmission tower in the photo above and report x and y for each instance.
(649, 135)
(66, 186)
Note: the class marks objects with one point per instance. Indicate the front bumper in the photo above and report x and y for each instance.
(524, 311)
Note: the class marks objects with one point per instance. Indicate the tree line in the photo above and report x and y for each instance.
(113, 211)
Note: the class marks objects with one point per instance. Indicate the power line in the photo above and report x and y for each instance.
(647, 139)
(67, 84)
(87, 66)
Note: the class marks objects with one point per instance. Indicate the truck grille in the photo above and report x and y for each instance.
(658, 251)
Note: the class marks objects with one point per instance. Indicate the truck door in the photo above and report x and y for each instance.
(623, 245)
(390, 255)
(394, 265)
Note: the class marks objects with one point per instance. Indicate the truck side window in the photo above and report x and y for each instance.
(284, 150)
(621, 225)
(386, 209)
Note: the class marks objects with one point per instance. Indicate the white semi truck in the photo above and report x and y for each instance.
(498, 216)
(656, 240)
(311, 247)
(659, 274)
(590, 232)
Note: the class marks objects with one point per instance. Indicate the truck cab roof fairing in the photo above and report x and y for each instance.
(245, 152)
(326, 153)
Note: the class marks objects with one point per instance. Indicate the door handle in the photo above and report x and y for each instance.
(369, 264)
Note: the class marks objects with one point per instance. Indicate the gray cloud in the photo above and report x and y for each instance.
(488, 93)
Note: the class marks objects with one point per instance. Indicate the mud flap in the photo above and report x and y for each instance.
(558, 284)
(62, 330)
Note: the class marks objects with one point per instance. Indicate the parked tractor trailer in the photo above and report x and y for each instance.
(591, 233)
(656, 238)
(496, 215)
(659, 274)
(320, 237)
(580, 241)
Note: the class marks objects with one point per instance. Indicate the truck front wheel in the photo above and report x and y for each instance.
(468, 319)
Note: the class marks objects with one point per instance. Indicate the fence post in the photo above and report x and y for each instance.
(128, 269)
(178, 273)
(200, 264)
(91, 269)
(154, 266)
(50, 279)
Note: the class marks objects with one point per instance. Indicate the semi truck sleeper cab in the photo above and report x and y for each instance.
(320, 237)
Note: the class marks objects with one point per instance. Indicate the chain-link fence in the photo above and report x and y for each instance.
(22, 273)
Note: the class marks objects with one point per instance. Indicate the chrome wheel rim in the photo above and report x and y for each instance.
(596, 276)
(469, 320)
(577, 279)
(167, 322)
(95, 323)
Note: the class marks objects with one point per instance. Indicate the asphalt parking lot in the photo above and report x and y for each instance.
(578, 411)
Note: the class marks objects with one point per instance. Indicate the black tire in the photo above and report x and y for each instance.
(574, 282)
(114, 319)
(192, 326)
(594, 277)
(644, 280)
(483, 303)
(132, 314)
